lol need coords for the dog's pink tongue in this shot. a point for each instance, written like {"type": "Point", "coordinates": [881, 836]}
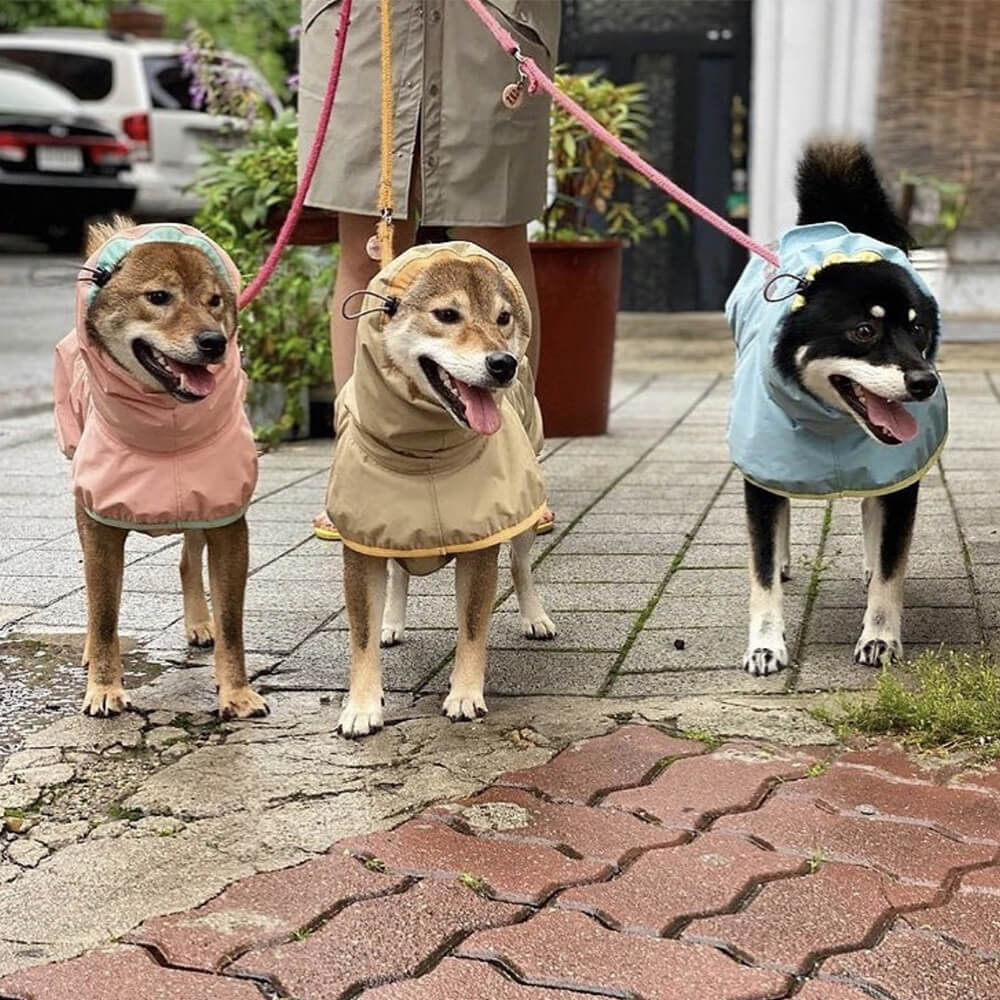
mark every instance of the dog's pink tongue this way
{"type": "Point", "coordinates": [195, 379]}
{"type": "Point", "coordinates": [891, 416]}
{"type": "Point", "coordinates": [480, 408]}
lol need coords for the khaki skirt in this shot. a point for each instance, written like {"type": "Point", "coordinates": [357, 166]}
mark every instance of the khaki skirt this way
{"type": "Point", "coordinates": [472, 161]}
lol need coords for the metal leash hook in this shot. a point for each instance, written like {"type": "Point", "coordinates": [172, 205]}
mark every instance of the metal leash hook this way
{"type": "Point", "coordinates": [512, 96]}
{"type": "Point", "coordinates": [389, 304]}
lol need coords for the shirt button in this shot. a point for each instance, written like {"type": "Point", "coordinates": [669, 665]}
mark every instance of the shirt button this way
{"type": "Point", "coordinates": [433, 90]}
{"type": "Point", "coordinates": [435, 15]}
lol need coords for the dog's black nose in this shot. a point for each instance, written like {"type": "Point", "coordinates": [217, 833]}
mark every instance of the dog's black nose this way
{"type": "Point", "coordinates": [211, 344]}
{"type": "Point", "coordinates": [921, 384]}
{"type": "Point", "coordinates": [501, 366]}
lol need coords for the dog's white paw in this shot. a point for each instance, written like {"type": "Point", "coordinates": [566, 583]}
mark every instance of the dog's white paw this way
{"type": "Point", "coordinates": [877, 651]}
{"type": "Point", "coordinates": [760, 661]}
{"type": "Point", "coordinates": [462, 706]}
{"type": "Point", "coordinates": [105, 700]}
{"type": "Point", "coordinates": [392, 635]}
{"type": "Point", "coordinates": [541, 627]}
{"type": "Point", "coordinates": [361, 716]}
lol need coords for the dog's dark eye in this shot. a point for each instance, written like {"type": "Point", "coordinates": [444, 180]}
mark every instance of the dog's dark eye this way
{"type": "Point", "coordinates": [863, 333]}
{"type": "Point", "coordinates": [447, 315]}
{"type": "Point", "coordinates": [215, 301]}
{"type": "Point", "coordinates": [503, 319]}
{"type": "Point", "coordinates": [158, 297]}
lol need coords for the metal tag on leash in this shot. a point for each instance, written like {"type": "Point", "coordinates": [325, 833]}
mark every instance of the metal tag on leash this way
{"type": "Point", "coordinates": [512, 96]}
{"type": "Point", "coordinates": [372, 248]}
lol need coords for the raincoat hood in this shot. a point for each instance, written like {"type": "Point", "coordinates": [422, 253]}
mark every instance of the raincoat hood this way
{"type": "Point", "coordinates": [782, 437]}
{"type": "Point", "coordinates": [141, 459]}
{"type": "Point", "coordinates": [407, 481]}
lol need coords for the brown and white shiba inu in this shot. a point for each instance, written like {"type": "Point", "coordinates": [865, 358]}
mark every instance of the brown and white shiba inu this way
{"type": "Point", "coordinates": [438, 434]}
{"type": "Point", "coordinates": [149, 405]}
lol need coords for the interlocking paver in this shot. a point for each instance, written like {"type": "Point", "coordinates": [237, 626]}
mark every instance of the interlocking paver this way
{"type": "Point", "coordinates": [376, 941]}
{"type": "Point", "coordinates": [574, 952]}
{"type": "Point", "coordinates": [454, 979]}
{"type": "Point", "coordinates": [969, 814]}
{"type": "Point", "coordinates": [689, 791]}
{"type": "Point", "coordinates": [914, 965]}
{"type": "Point", "coordinates": [261, 910]}
{"type": "Point", "coordinates": [601, 834]}
{"type": "Point", "coordinates": [971, 916]}
{"type": "Point", "coordinates": [711, 873]}
{"type": "Point", "coordinates": [120, 973]}
{"type": "Point", "coordinates": [583, 772]}
{"type": "Point", "coordinates": [915, 854]}
{"type": "Point", "coordinates": [791, 922]}
{"type": "Point", "coordinates": [816, 990]}
{"type": "Point", "coordinates": [513, 871]}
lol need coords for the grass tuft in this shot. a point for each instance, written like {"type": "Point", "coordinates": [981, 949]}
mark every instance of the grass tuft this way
{"type": "Point", "coordinates": [944, 701]}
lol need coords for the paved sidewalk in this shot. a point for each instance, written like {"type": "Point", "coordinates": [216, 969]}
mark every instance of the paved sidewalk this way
{"type": "Point", "coordinates": [157, 812]}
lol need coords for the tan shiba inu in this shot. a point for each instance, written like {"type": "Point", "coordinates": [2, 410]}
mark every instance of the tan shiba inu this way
{"type": "Point", "coordinates": [438, 434]}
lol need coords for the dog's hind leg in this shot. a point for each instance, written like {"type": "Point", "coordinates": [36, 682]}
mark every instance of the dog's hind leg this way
{"type": "Point", "coordinates": [394, 617]}
{"type": "Point", "coordinates": [197, 619]}
{"type": "Point", "coordinates": [476, 589]}
{"type": "Point", "coordinates": [784, 535]}
{"type": "Point", "coordinates": [228, 563]}
{"type": "Point", "coordinates": [767, 519]}
{"type": "Point", "coordinates": [364, 592]}
{"type": "Point", "coordinates": [535, 623]}
{"type": "Point", "coordinates": [103, 566]}
{"type": "Point", "coordinates": [888, 529]}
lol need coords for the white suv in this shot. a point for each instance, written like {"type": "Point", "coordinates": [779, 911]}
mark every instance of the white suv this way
{"type": "Point", "coordinates": [138, 86]}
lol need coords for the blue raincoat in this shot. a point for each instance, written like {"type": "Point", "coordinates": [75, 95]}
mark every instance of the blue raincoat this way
{"type": "Point", "coordinates": [782, 437]}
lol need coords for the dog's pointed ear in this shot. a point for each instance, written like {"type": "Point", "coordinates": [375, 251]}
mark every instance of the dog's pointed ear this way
{"type": "Point", "coordinates": [100, 232]}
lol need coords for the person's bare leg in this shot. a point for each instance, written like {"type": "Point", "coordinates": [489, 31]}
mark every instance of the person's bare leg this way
{"type": "Point", "coordinates": [510, 244]}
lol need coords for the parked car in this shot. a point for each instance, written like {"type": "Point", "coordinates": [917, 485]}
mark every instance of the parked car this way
{"type": "Point", "coordinates": [139, 86]}
{"type": "Point", "coordinates": [59, 166]}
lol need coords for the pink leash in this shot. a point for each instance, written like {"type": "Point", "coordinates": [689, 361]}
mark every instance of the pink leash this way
{"type": "Point", "coordinates": [291, 220]}
{"type": "Point", "coordinates": [528, 70]}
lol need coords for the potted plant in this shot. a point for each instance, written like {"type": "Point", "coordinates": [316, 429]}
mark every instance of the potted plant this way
{"type": "Point", "coordinates": [932, 210]}
{"type": "Point", "coordinates": [284, 332]}
{"type": "Point", "coordinates": [578, 253]}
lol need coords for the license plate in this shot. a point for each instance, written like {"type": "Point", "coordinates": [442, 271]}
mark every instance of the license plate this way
{"type": "Point", "coordinates": [59, 159]}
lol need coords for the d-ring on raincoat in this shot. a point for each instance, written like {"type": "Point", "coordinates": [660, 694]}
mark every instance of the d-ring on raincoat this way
{"type": "Point", "coordinates": [407, 481]}
{"type": "Point", "coordinates": [782, 437]}
{"type": "Point", "coordinates": [143, 460]}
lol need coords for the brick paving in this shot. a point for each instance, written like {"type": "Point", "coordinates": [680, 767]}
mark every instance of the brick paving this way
{"type": "Point", "coordinates": [811, 885]}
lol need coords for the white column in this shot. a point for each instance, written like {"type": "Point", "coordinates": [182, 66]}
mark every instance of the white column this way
{"type": "Point", "coordinates": [815, 72]}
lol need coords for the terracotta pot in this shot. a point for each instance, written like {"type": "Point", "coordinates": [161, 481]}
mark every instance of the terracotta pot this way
{"type": "Point", "coordinates": [316, 226]}
{"type": "Point", "coordinates": [136, 19]}
{"type": "Point", "coordinates": [578, 286]}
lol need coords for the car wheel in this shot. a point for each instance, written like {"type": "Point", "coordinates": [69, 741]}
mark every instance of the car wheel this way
{"type": "Point", "coordinates": [65, 237]}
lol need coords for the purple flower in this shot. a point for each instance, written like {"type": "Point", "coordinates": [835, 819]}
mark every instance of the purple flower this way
{"type": "Point", "coordinates": [292, 82]}
{"type": "Point", "coordinates": [294, 31]}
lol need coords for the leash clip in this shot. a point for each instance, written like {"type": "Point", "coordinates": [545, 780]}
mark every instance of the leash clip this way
{"type": "Point", "coordinates": [800, 284]}
{"type": "Point", "coordinates": [390, 304]}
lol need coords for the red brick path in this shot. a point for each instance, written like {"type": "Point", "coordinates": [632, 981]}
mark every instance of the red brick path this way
{"type": "Point", "coordinates": [632, 865]}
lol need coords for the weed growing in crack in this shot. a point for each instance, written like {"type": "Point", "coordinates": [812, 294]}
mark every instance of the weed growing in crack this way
{"type": "Point", "coordinates": [711, 740]}
{"type": "Point", "coordinates": [376, 865]}
{"type": "Point", "coordinates": [818, 769]}
{"type": "Point", "coordinates": [816, 860]}
{"type": "Point", "coordinates": [117, 811]}
{"type": "Point", "coordinates": [473, 882]}
{"type": "Point", "coordinates": [944, 700]}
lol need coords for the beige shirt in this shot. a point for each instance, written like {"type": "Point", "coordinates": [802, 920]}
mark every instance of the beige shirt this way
{"type": "Point", "coordinates": [479, 163]}
{"type": "Point", "coordinates": [407, 481]}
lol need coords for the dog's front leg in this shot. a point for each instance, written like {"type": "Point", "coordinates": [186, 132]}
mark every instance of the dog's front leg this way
{"type": "Point", "coordinates": [476, 589]}
{"type": "Point", "coordinates": [394, 617]}
{"type": "Point", "coordinates": [535, 623]}
{"type": "Point", "coordinates": [228, 563]}
{"type": "Point", "coordinates": [364, 592]}
{"type": "Point", "coordinates": [103, 566]}
{"type": "Point", "coordinates": [767, 517]}
{"type": "Point", "coordinates": [888, 528]}
{"type": "Point", "coordinates": [197, 619]}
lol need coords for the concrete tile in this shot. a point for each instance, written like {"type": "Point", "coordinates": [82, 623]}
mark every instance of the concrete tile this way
{"type": "Point", "coordinates": [594, 630]}
{"type": "Point", "coordinates": [603, 569]}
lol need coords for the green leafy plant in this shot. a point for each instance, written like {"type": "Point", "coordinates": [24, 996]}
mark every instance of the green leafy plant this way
{"type": "Point", "coordinates": [284, 332]}
{"type": "Point", "coordinates": [936, 207]}
{"type": "Point", "coordinates": [588, 174]}
{"type": "Point", "coordinates": [946, 701]}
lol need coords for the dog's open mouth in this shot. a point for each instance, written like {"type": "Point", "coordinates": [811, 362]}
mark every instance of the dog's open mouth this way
{"type": "Point", "coordinates": [472, 406]}
{"type": "Point", "coordinates": [186, 382]}
{"type": "Point", "coordinates": [888, 420]}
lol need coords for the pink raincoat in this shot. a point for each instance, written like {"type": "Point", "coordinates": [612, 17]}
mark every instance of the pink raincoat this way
{"type": "Point", "coordinates": [141, 459]}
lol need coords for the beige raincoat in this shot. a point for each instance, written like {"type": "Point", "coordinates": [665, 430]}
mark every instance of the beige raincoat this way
{"type": "Point", "coordinates": [407, 481]}
{"type": "Point", "coordinates": [479, 163]}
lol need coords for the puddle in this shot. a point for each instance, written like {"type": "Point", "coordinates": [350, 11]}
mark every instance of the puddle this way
{"type": "Point", "coordinates": [41, 679]}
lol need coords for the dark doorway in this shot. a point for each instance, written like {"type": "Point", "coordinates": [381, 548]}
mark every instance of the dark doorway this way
{"type": "Point", "coordinates": [694, 57]}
